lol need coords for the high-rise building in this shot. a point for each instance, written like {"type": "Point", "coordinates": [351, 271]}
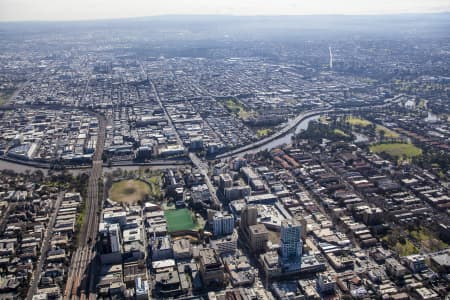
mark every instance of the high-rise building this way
{"type": "Point", "coordinates": [225, 181]}
{"type": "Point", "coordinates": [249, 216]}
{"type": "Point", "coordinates": [211, 267]}
{"type": "Point", "coordinates": [291, 244]}
{"type": "Point", "coordinates": [258, 237]}
{"type": "Point", "coordinates": [326, 284]}
{"type": "Point", "coordinates": [222, 224]}
{"type": "Point", "coordinates": [304, 225]}
{"type": "Point", "coordinates": [111, 243]}
{"type": "Point", "coordinates": [236, 192]}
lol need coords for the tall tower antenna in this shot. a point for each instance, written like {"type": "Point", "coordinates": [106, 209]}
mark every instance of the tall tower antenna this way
{"type": "Point", "coordinates": [331, 57]}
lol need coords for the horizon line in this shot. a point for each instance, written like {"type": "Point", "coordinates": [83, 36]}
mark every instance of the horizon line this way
{"type": "Point", "coordinates": [224, 15]}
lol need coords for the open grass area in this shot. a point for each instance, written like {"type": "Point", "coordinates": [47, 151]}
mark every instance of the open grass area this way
{"type": "Point", "coordinates": [153, 182]}
{"type": "Point", "coordinates": [324, 119]}
{"type": "Point", "coordinates": [406, 249]}
{"type": "Point", "coordinates": [79, 221]}
{"type": "Point", "coordinates": [4, 97]}
{"type": "Point", "coordinates": [233, 106]}
{"type": "Point", "coordinates": [355, 121]}
{"type": "Point", "coordinates": [263, 132]}
{"type": "Point", "coordinates": [129, 191]}
{"type": "Point", "coordinates": [397, 241]}
{"type": "Point", "coordinates": [340, 132]}
{"type": "Point", "coordinates": [422, 104]}
{"type": "Point", "coordinates": [179, 219]}
{"type": "Point", "coordinates": [81, 216]}
{"type": "Point", "coordinates": [387, 132]}
{"type": "Point", "coordinates": [428, 239]}
{"type": "Point", "coordinates": [236, 108]}
{"type": "Point", "coordinates": [397, 150]}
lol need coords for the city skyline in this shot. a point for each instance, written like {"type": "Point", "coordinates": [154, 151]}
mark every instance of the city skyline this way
{"type": "Point", "coordinates": [225, 150]}
{"type": "Point", "coordinates": [49, 10]}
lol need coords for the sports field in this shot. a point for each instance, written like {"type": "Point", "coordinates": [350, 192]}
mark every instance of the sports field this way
{"type": "Point", "coordinates": [129, 191]}
{"type": "Point", "coordinates": [179, 219]}
{"type": "Point", "coordinates": [397, 150]}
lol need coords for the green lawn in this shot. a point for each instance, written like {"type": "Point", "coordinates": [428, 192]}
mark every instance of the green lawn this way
{"type": "Point", "coordinates": [129, 191]}
{"type": "Point", "coordinates": [422, 103]}
{"type": "Point", "coordinates": [79, 221]}
{"type": "Point", "coordinates": [324, 119]}
{"type": "Point", "coordinates": [387, 132]}
{"type": "Point", "coordinates": [263, 132]}
{"type": "Point", "coordinates": [179, 219]}
{"type": "Point", "coordinates": [340, 132]}
{"type": "Point", "coordinates": [397, 150]}
{"type": "Point", "coordinates": [428, 239]}
{"type": "Point", "coordinates": [4, 97]}
{"type": "Point", "coordinates": [153, 182]}
{"type": "Point", "coordinates": [355, 121]}
{"type": "Point", "coordinates": [233, 105]}
{"type": "Point", "coordinates": [236, 108]}
{"type": "Point", "coordinates": [406, 249]}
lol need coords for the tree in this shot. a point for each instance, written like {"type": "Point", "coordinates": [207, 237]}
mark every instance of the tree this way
{"type": "Point", "coordinates": [382, 135]}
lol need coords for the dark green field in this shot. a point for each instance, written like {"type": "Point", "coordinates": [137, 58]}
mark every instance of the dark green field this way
{"type": "Point", "coordinates": [179, 219]}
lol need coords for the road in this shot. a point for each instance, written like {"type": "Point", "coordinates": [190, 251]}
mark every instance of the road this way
{"type": "Point", "coordinates": [5, 215]}
{"type": "Point", "coordinates": [203, 167]}
{"type": "Point", "coordinates": [80, 281]}
{"type": "Point", "coordinates": [44, 249]}
{"type": "Point", "coordinates": [24, 84]}
{"type": "Point", "coordinates": [169, 119]}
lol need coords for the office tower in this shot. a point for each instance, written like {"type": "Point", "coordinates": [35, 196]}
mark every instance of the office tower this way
{"type": "Point", "coordinates": [222, 224]}
{"type": "Point", "coordinates": [291, 242]}
{"type": "Point", "coordinates": [249, 215]}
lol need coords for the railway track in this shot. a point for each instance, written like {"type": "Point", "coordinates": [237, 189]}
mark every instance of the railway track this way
{"type": "Point", "coordinates": [80, 281]}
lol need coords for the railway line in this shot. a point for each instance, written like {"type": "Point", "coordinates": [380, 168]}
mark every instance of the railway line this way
{"type": "Point", "coordinates": [80, 281]}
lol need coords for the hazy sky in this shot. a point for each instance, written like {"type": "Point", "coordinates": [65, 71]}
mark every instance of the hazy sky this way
{"type": "Point", "coordinates": [14, 10]}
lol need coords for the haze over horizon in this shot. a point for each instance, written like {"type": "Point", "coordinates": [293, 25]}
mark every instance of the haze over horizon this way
{"type": "Point", "coordinates": [63, 10]}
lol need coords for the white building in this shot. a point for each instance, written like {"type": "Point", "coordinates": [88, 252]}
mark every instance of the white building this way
{"type": "Point", "coordinates": [222, 224]}
{"type": "Point", "coordinates": [141, 288]}
{"type": "Point", "coordinates": [111, 243]}
{"type": "Point", "coordinates": [115, 217]}
{"type": "Point", "coordinates": [226, 244]}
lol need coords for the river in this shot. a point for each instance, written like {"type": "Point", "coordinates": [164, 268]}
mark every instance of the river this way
{"type": "Point", "coordinates": [285, 139]}
{"type": "Point", "coordinates": [20, 168]}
